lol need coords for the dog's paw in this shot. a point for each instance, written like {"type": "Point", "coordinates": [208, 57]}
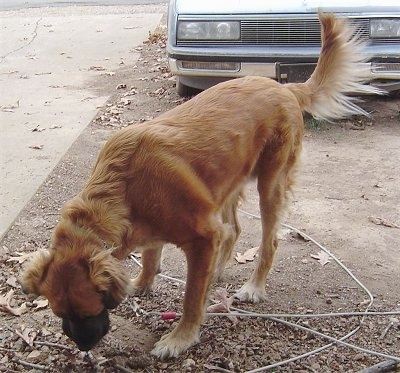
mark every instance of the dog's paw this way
{"type": "Point", "coordinates": [172, 345]}
{"type": "Point", "coordinates": [137, 288]}
{"type": "Point", "coordinates": [251, 293]}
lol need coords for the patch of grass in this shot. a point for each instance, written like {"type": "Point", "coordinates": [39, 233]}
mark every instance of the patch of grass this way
{"type": "Point", "coordinates": [311, 123]}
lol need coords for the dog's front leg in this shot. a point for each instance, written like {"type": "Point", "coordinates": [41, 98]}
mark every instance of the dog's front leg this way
{"type": "Point", "coordinates": [200, 257]}
{"type": "Point", "coordinates": [151, 258]}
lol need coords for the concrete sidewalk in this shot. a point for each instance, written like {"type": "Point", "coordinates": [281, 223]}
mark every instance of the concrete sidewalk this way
{"type": "Point", "coordinates": [47, 56]}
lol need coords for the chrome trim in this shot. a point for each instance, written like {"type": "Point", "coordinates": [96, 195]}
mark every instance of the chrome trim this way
{"type": "Point", "coordinates": [269, 70]}
{"type": "Point", "coordinates": [284, 31]}
{"type": "Point", "coordinates": [264, 69]}
{"type": "Point", "coordinates": [385, 72]}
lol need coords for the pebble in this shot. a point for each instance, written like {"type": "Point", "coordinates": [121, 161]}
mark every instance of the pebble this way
{"type": "Point", "coordinates": [316, 367]}
{"type": "Point", "coordinates": [34, 355]}
{"type": "Point", "coordinates": [188, 364]}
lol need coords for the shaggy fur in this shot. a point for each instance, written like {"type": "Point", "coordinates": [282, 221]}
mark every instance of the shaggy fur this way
{"type": "Point", "coordinates": [178, 179]}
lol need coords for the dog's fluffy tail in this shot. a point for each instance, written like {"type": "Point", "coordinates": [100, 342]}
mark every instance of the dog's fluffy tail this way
{"type": "Point", "coordinates": [339, 72]}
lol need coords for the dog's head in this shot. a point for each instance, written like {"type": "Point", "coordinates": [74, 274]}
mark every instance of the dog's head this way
{"type": "Point", "coordinates": [81, 284]}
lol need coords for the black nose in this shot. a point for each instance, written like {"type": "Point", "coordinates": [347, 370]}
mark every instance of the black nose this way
{"type": "Point", "coordinates": [86, 332]}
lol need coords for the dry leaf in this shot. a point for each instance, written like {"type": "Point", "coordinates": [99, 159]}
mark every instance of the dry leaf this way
{"type": "Point", "coordinates": [21, 257]}
{"type": "Point", "coordinates": [38, 129]}
{"type": "Point", "coordinates": [9, 108]}
{"type": "Point", "coordinates": [97, 68]}
{"type": "Point", "coordinates": [381, 221]}
{"type": "Point", "coordinates": [27, 334]}
{"type": "Point", "coordinates": [45, 333]}
{"type": "Point", "coordinates": [12, 281]}
{"type": "Point", "coordinates": [6, 307]}
{"type": "Point", "coordinates": [247, 256]}
{"type": "Point", "coordinates": [322, 257]}
{"type": "Point", "coordinates": [42, 303]}
{"type": "Point", "coordinates": [125, 101]}
{"type": "Point", "coordinates": [224, 303]}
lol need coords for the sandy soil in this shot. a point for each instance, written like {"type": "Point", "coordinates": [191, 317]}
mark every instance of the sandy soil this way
{"type": "Point", "coordinates": [347, 198]}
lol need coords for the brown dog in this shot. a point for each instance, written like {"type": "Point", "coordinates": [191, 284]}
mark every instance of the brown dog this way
{"type": "Point", "coordinates": [178, 179]}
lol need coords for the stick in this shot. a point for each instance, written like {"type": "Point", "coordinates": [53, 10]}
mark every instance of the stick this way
{"type": "Point", "coordinates": [31, 365]}
{"type": "Point", "coordinates": [383, 367]}
{"type": "Point", "coordinates": [383, 335]}
{"type": "Point", "coordinates": [123, 369]}
{"type": "Point", "coordinates": [93, 361]}
{"type": "Point", "coordinates": [50, 344]}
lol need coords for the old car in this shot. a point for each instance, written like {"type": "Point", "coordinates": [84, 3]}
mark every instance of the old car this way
{"type": "Point", "coordinates": [212, 41]}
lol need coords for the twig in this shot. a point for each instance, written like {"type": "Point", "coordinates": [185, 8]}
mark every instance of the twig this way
{"type": "Point", "coordinates": [8, 349]}
{"type": "Point", "coordinates": [50, 344]}
{"type": "Point", "coordinates": [31, 365]}
{"type": "Point", "coordinates": [218, 369]}
{"type": "Point", "coordinates": [93, 361]}
{"type": "Point", "coordinates": [123, 369]}
{"type": "Point", "coordinates": [383, 335]}
{"type": "Point", "coordinates": [385, 366]}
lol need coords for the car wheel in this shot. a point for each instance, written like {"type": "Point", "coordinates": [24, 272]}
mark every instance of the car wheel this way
{"type": "Point", "coordinates": [184, 90]}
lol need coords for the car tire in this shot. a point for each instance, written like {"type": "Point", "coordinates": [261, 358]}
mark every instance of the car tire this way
{"type": "Point", "coordinates": [184, 90]}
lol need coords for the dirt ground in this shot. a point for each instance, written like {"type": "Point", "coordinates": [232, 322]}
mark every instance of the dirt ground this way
{"type": "Point", "coordinates": [347, 198]}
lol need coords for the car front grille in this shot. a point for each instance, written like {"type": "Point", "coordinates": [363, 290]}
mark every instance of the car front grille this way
{"type": "Point", "coordinates": [285, 32]}
{"type": "Point", "coordinates": [281, 32]}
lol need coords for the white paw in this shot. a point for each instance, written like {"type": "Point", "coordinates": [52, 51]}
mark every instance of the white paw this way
{"type": "Point", "coordinates": [251, 293]}
{"type": "Point", "coordinates": [172, 346]}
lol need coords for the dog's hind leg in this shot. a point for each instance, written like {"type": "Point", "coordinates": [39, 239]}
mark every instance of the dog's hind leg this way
{"type": "Point", "coordinates": [151, 259]}
{"type": "Point", "coordinates": [229, 219]}
{"type": "Point", "coordinates": [275, 177]}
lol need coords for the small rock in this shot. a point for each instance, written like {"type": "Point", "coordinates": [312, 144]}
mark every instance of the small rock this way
{"type": "Point", "coordinates": [359, 357]}
{"type": "Point", "coordinates": [45, 349]}
{"type": "Point", "coordinates": [188, 364]}
{"type": "Point", "coordinates": [33, 355]}
{"type": "Point", "coordinates": [316, 367]}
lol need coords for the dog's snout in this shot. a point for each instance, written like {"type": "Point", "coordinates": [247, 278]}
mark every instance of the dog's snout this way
{"type": "Point", "coordinates": [87, 332]}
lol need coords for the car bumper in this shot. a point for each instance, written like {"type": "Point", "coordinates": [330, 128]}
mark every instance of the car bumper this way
{"type": "Point", "coordinates": [202, 74]}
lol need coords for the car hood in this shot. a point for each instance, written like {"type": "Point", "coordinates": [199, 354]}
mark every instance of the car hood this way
{"type": "Point", "coordinates": [287, 6]}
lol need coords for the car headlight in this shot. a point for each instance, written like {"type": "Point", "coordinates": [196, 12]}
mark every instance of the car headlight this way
{"type": "Point", "coordinates": [385, 28]}
{"type": "Point", "coordinates": [208, 30]}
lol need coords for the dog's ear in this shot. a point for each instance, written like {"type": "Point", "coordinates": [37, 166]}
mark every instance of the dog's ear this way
{"type": "Point", "coordinates": [35, 272]}
{"type": "Point", "coordinates": [110, 277]}
{"type": "Point", "coordinates": [109, 301]}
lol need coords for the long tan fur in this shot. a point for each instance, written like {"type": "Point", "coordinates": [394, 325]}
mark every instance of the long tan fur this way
{"type": "Point", "coordinates": [178, 178]}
